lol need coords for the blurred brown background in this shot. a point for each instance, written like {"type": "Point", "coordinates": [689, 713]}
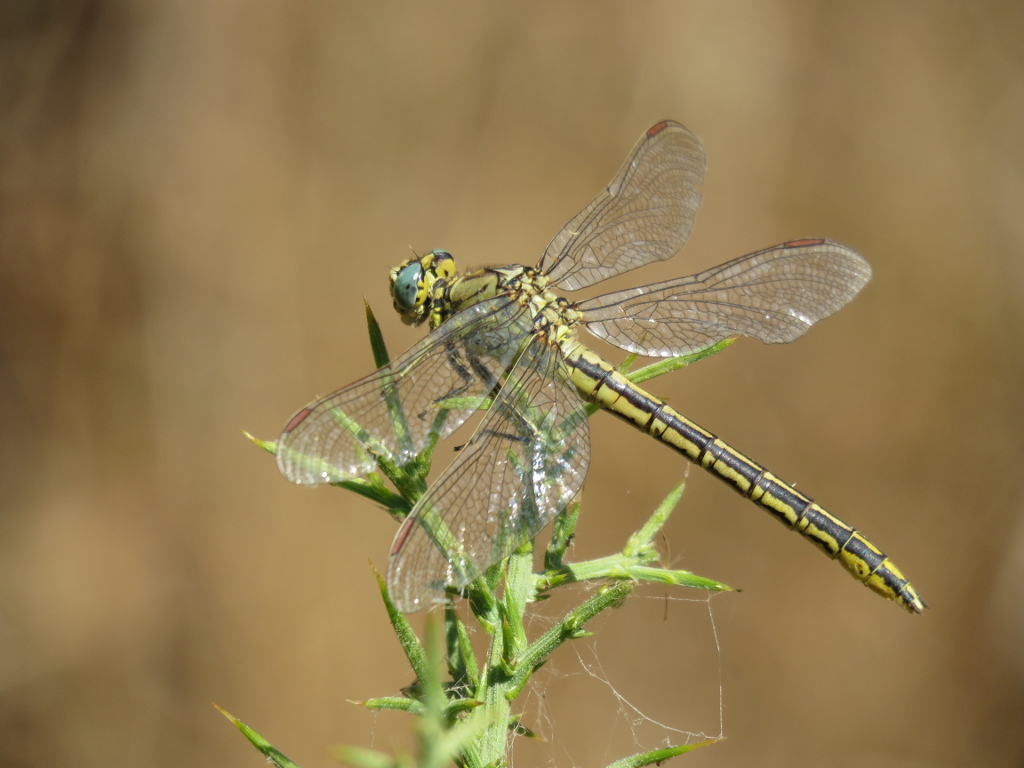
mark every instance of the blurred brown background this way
{"type": "Point", "coordinates": [196, 197]}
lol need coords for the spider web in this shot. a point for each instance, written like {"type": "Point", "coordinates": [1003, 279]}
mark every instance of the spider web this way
{"type": "Point", "coordinates": [597, 709]}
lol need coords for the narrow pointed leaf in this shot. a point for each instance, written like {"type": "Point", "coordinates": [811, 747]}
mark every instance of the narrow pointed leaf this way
{"type": "Point", "coordinates": [670, 364]}
{"type": "Point", "coordinates": [658, 755]}
{"type": "Point", "coordinates": [647, 532]}
{"type": "Point", "coordinates": [380, 349]}
{"type": "Point", "coordinates": [264, 746]}
{"type": "Point", "coordinates": [414, 651]}
{"type": "Point", "coordinates": [396, 703]}
{"type": "Point", "coordinates": [678, 578]}
{"type": "Point", "coordinates": [270, 446]}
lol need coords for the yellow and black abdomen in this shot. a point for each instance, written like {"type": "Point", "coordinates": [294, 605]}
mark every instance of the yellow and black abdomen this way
{"type": "Point", "coordinates": [601, 384]}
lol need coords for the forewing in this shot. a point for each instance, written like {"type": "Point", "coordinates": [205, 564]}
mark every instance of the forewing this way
{"type": "Point", "coordinates": [391, 412]}
{"type": "Point", "coordinates": [645, 214]}
{"type": "Point", "coordinates": [526, 461]}
{"type": "Point", "coordinates": [773, 295]}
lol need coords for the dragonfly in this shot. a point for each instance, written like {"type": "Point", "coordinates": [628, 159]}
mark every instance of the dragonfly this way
{"type": "Point", "coordinates": [504, 342]}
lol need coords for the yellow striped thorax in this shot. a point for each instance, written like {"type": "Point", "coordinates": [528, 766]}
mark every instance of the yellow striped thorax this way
{"type": "Point", "coordinates": [427, 288]}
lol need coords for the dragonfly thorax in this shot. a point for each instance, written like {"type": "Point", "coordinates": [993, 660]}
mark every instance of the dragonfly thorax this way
{"type": "Point", "coordinates": [553, 317]}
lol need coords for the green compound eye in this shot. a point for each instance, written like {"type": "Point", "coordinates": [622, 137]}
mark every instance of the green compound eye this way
{"type": "Point", "coordinates": [407, 286]}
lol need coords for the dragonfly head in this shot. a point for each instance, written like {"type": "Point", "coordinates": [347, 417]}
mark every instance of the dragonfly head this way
{"type": "Point", "coordinates": [413, 284]}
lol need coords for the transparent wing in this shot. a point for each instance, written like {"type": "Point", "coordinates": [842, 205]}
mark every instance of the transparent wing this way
{"type": "Point", "coordinates": [527, 460]}
{"type": "Point", "coordinates": [645, 214]}
{"type": "Point", "coordinates": [391, 412]}
{"type": "Point", "coordinates": [773, 295]}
